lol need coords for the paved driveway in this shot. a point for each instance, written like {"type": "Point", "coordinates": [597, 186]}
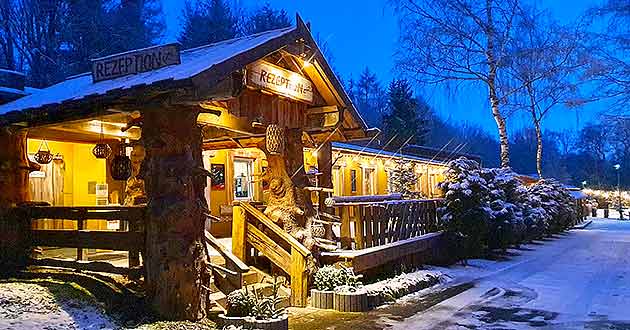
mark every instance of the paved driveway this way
{"type": "Point", "coordinates": [578, 280]}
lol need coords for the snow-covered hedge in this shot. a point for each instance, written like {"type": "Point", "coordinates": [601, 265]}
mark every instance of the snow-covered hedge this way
{"type": "Point", "coordinates": [491, 208]}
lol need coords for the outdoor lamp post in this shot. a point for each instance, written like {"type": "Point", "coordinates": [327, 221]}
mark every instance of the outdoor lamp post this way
{"type": "Point", "coordinates": [617, 167]}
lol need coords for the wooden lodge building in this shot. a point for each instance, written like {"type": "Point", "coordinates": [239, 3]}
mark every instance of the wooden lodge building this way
{"type": "Point", "coordinates": [138, 154]}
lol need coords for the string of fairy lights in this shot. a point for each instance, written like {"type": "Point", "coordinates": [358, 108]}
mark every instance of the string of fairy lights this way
{"type": "Point", "coordinates": [608, 194]}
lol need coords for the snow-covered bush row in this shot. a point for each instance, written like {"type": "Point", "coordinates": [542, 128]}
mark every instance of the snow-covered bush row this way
{"type": "Point", "coordinates": [491, 208]}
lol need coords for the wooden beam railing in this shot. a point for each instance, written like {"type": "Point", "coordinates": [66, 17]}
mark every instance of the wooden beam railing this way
{"type": "Point", "coordinates": [366, 223]}
{"type": "Point", "coordinates": [131, 240]}
{"type": "Point", "coordinates": [229, 277]}
{"type": "Point", "coordinates": [251, 228]}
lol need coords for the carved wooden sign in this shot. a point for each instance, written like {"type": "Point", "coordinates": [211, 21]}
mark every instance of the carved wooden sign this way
{"type": "Point", "coordinates": [134, 62]}
{"type": "Point", "coordinates": [266, 76]}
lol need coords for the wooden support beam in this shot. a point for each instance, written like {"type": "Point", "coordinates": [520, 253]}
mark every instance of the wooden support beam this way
{"type": "Point", "coordinates": [92, 266]}
{"type": "Point", "coordinates": [299, 279]}
{"type": "Point", "coordinates": [107, 240]}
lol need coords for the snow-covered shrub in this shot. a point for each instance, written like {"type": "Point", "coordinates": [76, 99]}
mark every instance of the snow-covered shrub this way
{"type": "Point", "coordinates": [330, 278]}
{"type": "Point", "coordinates": [558, 204]}
{"type": "Point", "coordinates": [491, 208]}
{"type": "Point", "coordinates": [506, 203]}
{"type": "Point", "coordinates": [466, 212]}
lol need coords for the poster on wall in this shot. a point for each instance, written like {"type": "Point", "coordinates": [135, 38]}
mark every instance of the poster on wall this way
{"type": "Point", "coordinates": [217, 176]}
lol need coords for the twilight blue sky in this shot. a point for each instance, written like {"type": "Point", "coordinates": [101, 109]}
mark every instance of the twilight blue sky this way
{"type": "Point", "coordinates": [364, 32]}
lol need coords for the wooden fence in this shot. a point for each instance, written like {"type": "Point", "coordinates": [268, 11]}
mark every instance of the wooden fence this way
{"type": "Point", "coordinates": [251, 228]}
{"type": "Point", "coordinates": [367, 224]}
{"type": "Point", "coordinates": [131, 240]}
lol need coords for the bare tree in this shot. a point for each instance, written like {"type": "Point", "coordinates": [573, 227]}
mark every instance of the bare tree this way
{"type": "Point", "coordinates": [36, 34]}
{"type": "Point", "coordinates": [545, 62]}
{"type": "Point", "coordinates": [459, 42]}
{"type": "Point", "coordinates": [610, 50]}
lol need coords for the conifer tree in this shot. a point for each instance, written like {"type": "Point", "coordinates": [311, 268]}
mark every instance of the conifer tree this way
{"type": "Point", "coordinates": [403, 178]}
{"type": "Point", "coordinates": [206, 22]}
{"type": "Point", "coordinates": [404, 122]}
{"type": "Point", "coordinates": [266, 18]}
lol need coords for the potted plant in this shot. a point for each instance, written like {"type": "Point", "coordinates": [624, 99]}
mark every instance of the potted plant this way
{"type": "Point", "coordinates": [325, 280]}
{"type": "Point", "coordinates": [266, 314]}
{"type": "Point", "coordinates": [240, 305]}
{"type": "Point", "coordinates": [350, 297]}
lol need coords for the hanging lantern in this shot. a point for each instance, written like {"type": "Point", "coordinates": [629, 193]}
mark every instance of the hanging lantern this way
{"type": "Point", "coordinates": [43, 156]}
{"type": "Point", "coordinates": [102, 150]}
{"type": "Point", "coordinates": [274, 139]}
{"type": "Point", "coordinates": [121, 165]}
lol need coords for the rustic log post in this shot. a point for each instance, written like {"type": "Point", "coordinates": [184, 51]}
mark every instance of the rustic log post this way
{"type": "Point", "coordinates": [14, 189]}
{"type": "Point", "coordinates": [324, 165]}
{"type": "Point", "coordinates": [239, 233]}
{"type": "Point", "coordinates": [175, 261]}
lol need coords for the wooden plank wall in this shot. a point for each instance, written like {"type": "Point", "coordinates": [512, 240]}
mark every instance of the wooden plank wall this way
{"type": "Point", "coordinates": [254, 105]}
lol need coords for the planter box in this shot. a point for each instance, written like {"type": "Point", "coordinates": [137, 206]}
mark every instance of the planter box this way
{"type": "Point", "coordinates": [275, 324]}
{"type": "Point", "coordinates": [237, 321]}
{"type": "Point", "coordinates": [322, 299]}
{"type": "Point", "coordinates": [350, 301]}
{"type": "Point", "coordinates": [375, 300]}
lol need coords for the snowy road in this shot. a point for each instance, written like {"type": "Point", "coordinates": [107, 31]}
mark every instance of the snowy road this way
{"type": "Point", "coordinates": [580, 280]}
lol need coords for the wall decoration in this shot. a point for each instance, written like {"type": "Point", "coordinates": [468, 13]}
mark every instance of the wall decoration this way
{"type": "Point", "coordinates": [217, 176]}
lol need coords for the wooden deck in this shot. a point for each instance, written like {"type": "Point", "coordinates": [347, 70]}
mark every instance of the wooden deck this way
{"type": "Point", "coordinates": [374, 257]}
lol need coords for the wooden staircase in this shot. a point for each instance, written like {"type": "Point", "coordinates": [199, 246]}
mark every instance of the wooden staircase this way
{"type": "Point", "coordinates": [253, 230]}
{"type": "Point", "coordinates": [229, 273]}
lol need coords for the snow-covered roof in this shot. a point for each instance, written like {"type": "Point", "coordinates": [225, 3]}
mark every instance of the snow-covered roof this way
{"type": "Point", "coordinates": [381, 152]}
{"type": "Point", "coordinates": [193, 62]}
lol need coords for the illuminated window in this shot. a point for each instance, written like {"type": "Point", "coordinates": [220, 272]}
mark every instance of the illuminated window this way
{"type": "Point", "coordinates": [243, 187]}
{"type": "Point", "coordinates": [369, 181]}
{"type": "Point", "coordinates": [353, 180]}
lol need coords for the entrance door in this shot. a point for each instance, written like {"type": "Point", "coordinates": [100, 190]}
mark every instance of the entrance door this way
{"type": "Point", "coordinates": [243, 187]}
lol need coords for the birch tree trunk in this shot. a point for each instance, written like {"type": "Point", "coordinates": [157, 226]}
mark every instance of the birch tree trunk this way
{"type": "Point", "coordinates": [175, 261]}
{"type": "Point", "coordinates": [492, 88]}
{"type": "Point", "coordinates": [539, 147]}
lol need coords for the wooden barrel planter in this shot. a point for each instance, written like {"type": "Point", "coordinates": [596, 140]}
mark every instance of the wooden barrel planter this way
{"type": "Point", "coordinates": [237, 321]}
{"type": "Point", "coordinates": [350, 301]}
{"type": "Point", "coordinates": [273, 324]}
{"type": "Point", "coordinates": [375, 300]}
{"type": "Point", "coordinates": [322, 299]}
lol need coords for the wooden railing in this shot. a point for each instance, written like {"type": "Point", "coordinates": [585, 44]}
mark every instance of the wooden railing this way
{"type": "Point", "coordinates": [366, 224]}
{"type": "Point", "coordinates": [131, 240]}
{"type": "Point", "coordinates": [251, 228]}
{"type": "Point", "coordinates": [229, 277]}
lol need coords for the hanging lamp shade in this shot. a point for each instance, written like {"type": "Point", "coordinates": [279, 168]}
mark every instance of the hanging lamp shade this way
{"type": "Point", "coordinates": [121, 165]}
{"type": "Point", "coordinates": [43, 154]}
{"type": "Point", "coordinates": [102, 150]}
{"type": "Point", "coordinates": [274, 139]}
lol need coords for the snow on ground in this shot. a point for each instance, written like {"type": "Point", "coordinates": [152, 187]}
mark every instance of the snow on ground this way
{"type": "Point", "coordinates": [578, 280]}
{"type": "Point", "coordinates": [49, 306]}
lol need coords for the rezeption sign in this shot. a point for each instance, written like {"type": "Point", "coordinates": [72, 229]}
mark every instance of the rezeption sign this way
{"type": "Point", "coordinates": [272, 78]}
{"type": "Point", "coordinates": [134, 62]}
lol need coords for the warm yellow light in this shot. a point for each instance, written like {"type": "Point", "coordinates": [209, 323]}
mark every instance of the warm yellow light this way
{"type": "Point", "coordinates": [307, 63]}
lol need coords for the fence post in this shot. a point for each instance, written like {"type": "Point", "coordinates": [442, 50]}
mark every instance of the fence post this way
{"type": "Point", "coordinates": [359, 239]}
{"type": "Point", "coordinates": [239, 233]}
{"type": "Point", "coordinates": [134, 255]}
{"type": "Point", "coordinates": [299, 279]}
{"type": "Point", "coordinates": [346, 239]}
